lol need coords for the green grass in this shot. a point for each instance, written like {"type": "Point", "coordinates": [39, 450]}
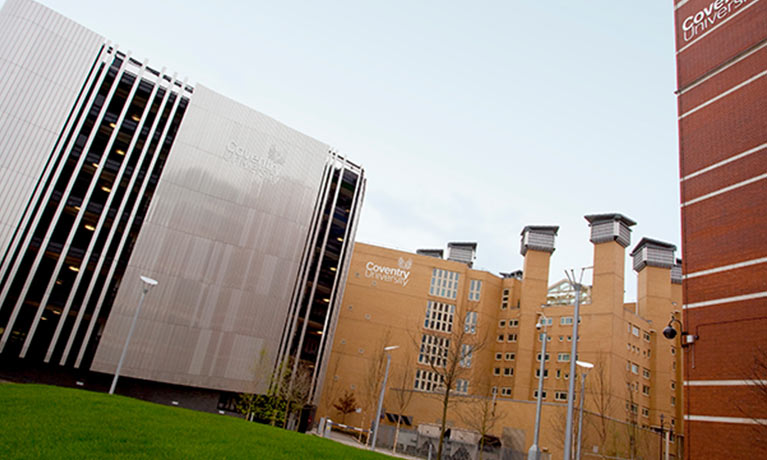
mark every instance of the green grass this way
{"type": "Point", "coordinates": [39, 421]}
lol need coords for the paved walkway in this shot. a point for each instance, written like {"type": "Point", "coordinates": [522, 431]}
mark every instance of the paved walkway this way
{"type": "Point", "coordinates": [350, 440]}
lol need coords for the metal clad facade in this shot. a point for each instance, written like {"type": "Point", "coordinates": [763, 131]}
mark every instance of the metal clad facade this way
{"type": "Point", "coordinates": [224, 237]}
{"type": "Point", "coordinates": [44, 63]}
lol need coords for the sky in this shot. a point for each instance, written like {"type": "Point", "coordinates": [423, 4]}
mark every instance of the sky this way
{"type": "Point", "coordinates": [471, 119]}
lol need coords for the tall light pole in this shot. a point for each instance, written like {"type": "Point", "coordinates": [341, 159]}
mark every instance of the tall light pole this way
{"type": "Point", "coordinates": [147, 284]}
{"type": "Point", "coordinates": [380, 398]}
{"type": "Point", "coordinates": [586, 368]}
{"type": "Point", "coordinates": [534, 453]}
{"type": "Point", "coordinates": [573, 354]}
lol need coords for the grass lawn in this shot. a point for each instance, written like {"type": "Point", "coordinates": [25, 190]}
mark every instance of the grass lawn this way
{"type": "Point", "coordinates": [39, 421]}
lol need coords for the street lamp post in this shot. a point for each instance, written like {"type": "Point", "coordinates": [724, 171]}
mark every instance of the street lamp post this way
{"type": "Point", "coordinates": [586, 368]}
{"type": "Point", "coordinates": [535, 451]}
{"type": "Point", "coordinates": [381, 396]}
{"type": "Point", "coordinates": [147, 284]}
{"type": "Point", "coordinates": [573, 354]}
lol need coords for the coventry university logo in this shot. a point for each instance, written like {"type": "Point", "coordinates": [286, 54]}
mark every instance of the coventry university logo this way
{"type": "Point", "coordinates": [400, 275]}
{"type": "Point", "coordinates": [267, 167]}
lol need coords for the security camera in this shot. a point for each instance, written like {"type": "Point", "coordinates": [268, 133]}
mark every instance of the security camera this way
{"type": "Point", "coordinates": [669, 332]}
{"type": "Point", "coordinates": [538, 325]}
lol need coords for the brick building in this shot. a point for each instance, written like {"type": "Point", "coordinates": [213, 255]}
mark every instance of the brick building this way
{"type": "Point", "coordinates": [721, 52]}
{"type": "Point", "coordinates": [419, 301]}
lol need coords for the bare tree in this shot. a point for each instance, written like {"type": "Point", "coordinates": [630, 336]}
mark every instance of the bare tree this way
{"type": "Point", "coordinates": [374, 376]}
{"type": "Point", "coordinates": [403, 394]}
{"type": "Point", "coordinates": [296, 392]}
{"type": "Point", "coordinates": [262, 371]}
{"type": "Point", "coordinates": [600, 393]}
{"type": "Point", "coordinates": [479, 412]}
{"type": "Point", "coordinates": [632, 429]}
{"type": "Point", "coordinates": [448, 355]}
{"type": "Point", "coordinates": [757, 401]}
{"type": "Point", "coordinates": [346, 405]}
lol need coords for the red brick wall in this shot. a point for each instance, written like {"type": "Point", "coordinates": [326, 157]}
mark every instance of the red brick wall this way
{"type": "Point", "coordinates": [726, 229]}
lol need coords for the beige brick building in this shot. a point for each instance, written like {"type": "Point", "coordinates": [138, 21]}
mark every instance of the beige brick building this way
{"type": "Point", "coordinates": [420, 301]}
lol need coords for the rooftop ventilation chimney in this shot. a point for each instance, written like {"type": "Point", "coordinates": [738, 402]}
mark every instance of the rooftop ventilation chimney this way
{"type": "Point", "coordinates": [430, 252]}
{"type": "Point", "coordinates": [462, 252]}
{"type": "Point", "coordinates": [653, 253]}
{"type": "Point", "coordinates": [610, 227]}
{"type": "Point", "coordinates": [538, 238]}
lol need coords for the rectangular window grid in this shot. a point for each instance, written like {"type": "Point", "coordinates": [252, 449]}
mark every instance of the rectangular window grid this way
{"type": "Point", "coordinates": [439, 316]}
{"type": "Point", "coordinates": [433, 350]}
{"type": "Point", "coordinates": [444, 283]}
{"type": "Point", "coordinates": [475, 286]}
{"type": "Point", "coordinates": [465, 356]}
{"type": "Point", "coordinates": [470, 323]}
{"type": "Point", "coordinates": [427, 380]}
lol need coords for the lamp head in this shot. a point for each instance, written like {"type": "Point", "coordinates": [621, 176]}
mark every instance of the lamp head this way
{"type": "Point", "coordinates": [390, 348]}
{"type": "Point", "coordinates": [584, 364]}
{"type": "Point", "coordinates": [149, 282]}
{"type": "Point", "coordinates": [669, 332]}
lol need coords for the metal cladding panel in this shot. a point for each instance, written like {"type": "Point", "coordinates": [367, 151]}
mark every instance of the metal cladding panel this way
{"type": "Point", "coordinates": [44, 61]}
{"type": "Point", "coordinates": [537, 241]}
{"type": "Point", "coordinates": [224, 237]}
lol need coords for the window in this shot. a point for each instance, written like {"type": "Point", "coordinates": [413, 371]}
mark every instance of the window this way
{"type": "Point", "coordinates": [565, 320]}
{"type": "Point", "coordinates": [538, 357]}
{"type": "Point", "coordinates": [673, 400]}
{"type": "Point", "coordinates": [475, 286]}
{"type": "Point", "coordinates": [461, 386]}
{"type": "Point", "coordinates": [673, 385]}
{"type": "Point", "coordinates": [569, 338]}
{"type": "Point", "coordinates": [634, 368]}
{"type": "Point", "coordinates": [508, 371]}
{"type": "Point", "coordinates": [646, 390]}
{"type": "Point", "coordinates": [427, 380]}
{"type": "Point", "coordinates": [505, 300]}
{"type": "Point", "coordinates": [561, 338]}
{"type": "Point", "coordinates": [543, 394]}
{"type": "Point", "coordinates": [547, 321]}
{"type": "Point", "coordinates": [433, 350]}
{"type": "Point", "coordinates": [545, 373]}
{"type": "Point", "coordinates": [645, 412]}
{"type": "Point", "coordinates": [673, 350]}
{"type": "Point", "coordinates": [559, 373]}
{"type": "Point", "coordinates": [470, 323]}
{"type": "Point", "coordinates": [439, 316]}
{"type": "Point", "coordinates": [498, 356]}
{"type": "Point", "coordinates": [513, 322]}
{"type": "Point", "coordinates": [567, 375]}
{"type": "Point", "coordinates": [560, 396]}
{"type": "Point", "coordinates": [506, 391]}
{"type": "Point", "coordinates": [540, 337]}
{"type": "Point", "coordinates": [646, 336]}
{"type": "Point", "coordinates": [500, 337]}
{"type": "Point", "coordinates": [502, 323]}
{"type": "Point", "coordinates": [444, 283]}
{"type": "Point", "coordinates": [509, 356]}
{"type": "Point", "coordinates": [511, 338]}
{"type": "Point", "coordinates": [634, 408]}
{"type": "Point", "coordinates": [465, 356]}
{"type": "Point", "coordinates": [635, 331]}
{"type": "Point", "coordinates": [645, 373]}
{"type": "Point", "coordinates": [563, 357]}
{"type": "Point", "coordinates": [496, 371]}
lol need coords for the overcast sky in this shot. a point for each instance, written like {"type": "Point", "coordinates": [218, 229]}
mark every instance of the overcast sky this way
{"type": "Point", "coordinates": [471, 119]}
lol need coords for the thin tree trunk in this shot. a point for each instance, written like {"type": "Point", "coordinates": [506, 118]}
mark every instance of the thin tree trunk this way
{"type": "Point", "coordinates": [396, 435]}
{"type": "Point", "coordinates": [444, 422]}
